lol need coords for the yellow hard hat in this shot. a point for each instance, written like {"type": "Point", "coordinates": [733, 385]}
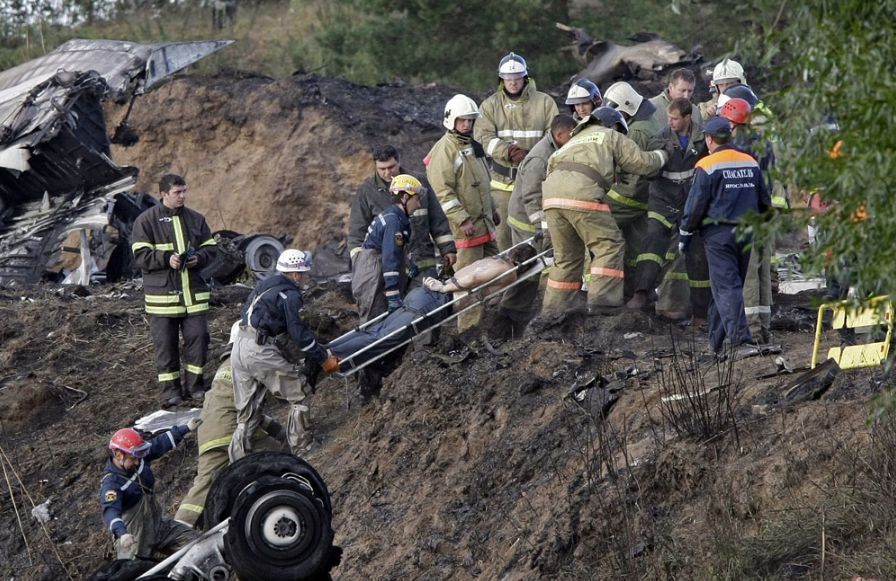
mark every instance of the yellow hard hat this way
{"type": "Point", "coordinates": [404, 183]}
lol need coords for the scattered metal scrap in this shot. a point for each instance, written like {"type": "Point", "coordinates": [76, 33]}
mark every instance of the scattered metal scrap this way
{"type": "Point", "coordinates": [56, 174]}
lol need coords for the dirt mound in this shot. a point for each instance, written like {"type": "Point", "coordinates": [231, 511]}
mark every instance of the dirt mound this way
{"type": "Point", "coordinates": [283, 157]}
{"type": "Point", "coordinates": [472, 463]}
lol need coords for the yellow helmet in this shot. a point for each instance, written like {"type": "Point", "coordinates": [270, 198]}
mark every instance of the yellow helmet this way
{"type": "Point", "coordinates": [405, 184]}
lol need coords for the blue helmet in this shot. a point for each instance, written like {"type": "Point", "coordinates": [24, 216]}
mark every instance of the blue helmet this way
{"type": "Point", "coordinates": [609, 117]}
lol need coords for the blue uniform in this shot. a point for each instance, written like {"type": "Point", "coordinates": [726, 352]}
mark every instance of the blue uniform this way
{"type": "Point", "coordinates": [121, 490]}
{"type": "Point", "coordinates": [728, 184]}
{"type": "Point", "coordinates": [388, 234]}
{"type": "Point", "coordinates": [276, 311]}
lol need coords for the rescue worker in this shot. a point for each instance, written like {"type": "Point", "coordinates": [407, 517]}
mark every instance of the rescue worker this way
{"type": "Point", "coordinates": [171, 243]}
{"type": "Point", "coordinates": [429, 226]}
{"type": "Point", "coordinates": [682, 83]}
{"type": "Point", "coordinates": [583, 98]}
{"type": "Point", "coordinates": [727, 73]}
{"type": "Point", "coordinates": [758, 298]}
{"type": "Point", "coordinates": [457, 171]}
{"type": "Point", "coordinates": [526, 217]}
{"type": "Point", "coordinates": [512, 121]}
{"type": "Point", "coordinates": [378, 271]}
{"type": "Point", "coordinates": [579, 219]}
{"type": "Point", "coordinates": [127, 498]}
{"type": "Point", "coordinates": [611, 119]}
{"type": "Point", "coordinates": [214, 435]}
{"type": "Point", "coordinates": [627, 197]}
{"type": "Point", "coordinates": [728, 185]}
{"type": "Point", "coordinates": [270, 309]}
{"type": "Point", "coordinates": [686, 281]}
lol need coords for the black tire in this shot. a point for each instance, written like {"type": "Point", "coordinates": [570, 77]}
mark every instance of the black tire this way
{"type": "Point", "coordinates": [234, 478]}
{"type": "Point", "coordinates": [278, 532]}
{"type": "Point", "coordinates": [261, 253]}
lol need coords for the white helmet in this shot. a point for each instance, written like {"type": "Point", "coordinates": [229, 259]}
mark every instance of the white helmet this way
{"type": "Point", "coordinates": [459, 107]}
{"type": "Point", "coordinates": [292, 260]}
{"type": "Point", "coordinates": [234, 330]}
{"type": "Point", "coordinates": [728, 70]}
{"type": "Point", "coordinates": [583, 91]}
{"type": "Point", "coordinates": [623, 97]}
{"type": "Point", "coordinates": [512, 66]}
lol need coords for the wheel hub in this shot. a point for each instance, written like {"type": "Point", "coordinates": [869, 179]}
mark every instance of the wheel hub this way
{"type": "Point", "coordinates": [281, 526]}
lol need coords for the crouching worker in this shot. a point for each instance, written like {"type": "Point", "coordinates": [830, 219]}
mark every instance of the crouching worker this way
{"type": "Point", "coordinates": [130, 509]}
{"type": "Point", "coordinates": [258, 366]}
{"type": "Point", "coordinates": [214, 435]}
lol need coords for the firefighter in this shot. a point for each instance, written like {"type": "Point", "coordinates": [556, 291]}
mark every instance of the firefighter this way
{"type": "Point", "coordinates": [728, 185]}
{"type": "Point", "coordinates": [682, 83]}
{"type": "Point", "coordinates": [579, 219]}
{"type": "Point", "coordinates": [512, 121]}
{"type": "Point", "coordinates": [526, 217]}
{"type": "Point", "coordinates": [583, 98]}
{"type": "Point", "coordinates": [458, 173]}
{"type": "Point", "coordinates": [378, 271]}
{"type": "Point", "coordinates": [270, 309]}
{"type": "Point", "coordinates": [685, 281]}
{"type": "Point", "coordinates": [127, 498]}
{"type": "Point", "coordinates": [727, 73]}
{"type": "Point", "coordinates": [171, 243]}
{"type": "Point", "coordinates": [429, 226]}
{"type": "Point", "coordinates": [214, 435]}
{"type": "Point", "coordinates": [627, 197]}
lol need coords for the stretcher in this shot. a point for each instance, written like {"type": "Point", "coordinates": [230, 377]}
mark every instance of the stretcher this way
{"type": "Point", "coordinates": [420, 325]}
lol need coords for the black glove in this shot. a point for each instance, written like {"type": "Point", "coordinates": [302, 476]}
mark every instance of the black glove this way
{"type": "Point", "coordinates": [312, 373]}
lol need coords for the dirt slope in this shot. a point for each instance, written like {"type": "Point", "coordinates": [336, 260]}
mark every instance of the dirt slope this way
{"type": "Point", "coordinates": [471, 464]}
{"type": "Point", "coordinates": [283, 157]}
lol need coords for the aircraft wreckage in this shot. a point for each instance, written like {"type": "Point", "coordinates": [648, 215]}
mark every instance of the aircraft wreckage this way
{"type": "Point", "coordinates": [63, 201]}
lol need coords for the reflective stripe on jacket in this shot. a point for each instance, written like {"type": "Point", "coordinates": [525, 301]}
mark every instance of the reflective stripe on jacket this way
{"type": "Point", "coordinates": [388, 234]}
{"type": "Point", "coordinates": [523, 121]}
{"type": "Point", "coordinates": [158, 233]}
{"type": "Point", "coordinates": [460, 179]}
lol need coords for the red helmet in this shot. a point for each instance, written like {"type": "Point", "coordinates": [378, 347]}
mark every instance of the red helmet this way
{"type": "Point", "coordinates": [737, 110]}
{"type": "Point", "coordinates": [129, 441]}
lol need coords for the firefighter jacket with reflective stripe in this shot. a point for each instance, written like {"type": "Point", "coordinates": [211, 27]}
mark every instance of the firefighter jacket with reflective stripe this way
{"type": "Point", "coordinates": [277, 311]}
{"type": "Point", "coordinates": [678, 173]}
{"type": "Point", "coordinates": [727, 185]}
{"type": "Point", "coordinates": [661, 102]}
{"type": "Point", "coordinates": [502, 121]}
{"type": "Point", "coordinates": [389, 234]}
{"type": "Point", "coordinates": [457, 172]}
{"type": "Point", "coordinates": [601, 150]}
{"type": "Point", "coordinates": [633, 187]}
{"type": "Point", "coordinates": [524, 210]}
{"type": "Point", "coordinates": [158, 233]}
{"type": "Point", "coordinates": [121, 490]}
{"type": "Point", "coordinates": [429, 226]}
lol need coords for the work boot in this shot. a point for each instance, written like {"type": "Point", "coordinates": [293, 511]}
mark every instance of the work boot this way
{"type": "Point", "coordinates": [172, 400]}
{"type": "Point", "coordinates": [673, 315]}
{"type": "Point", "coordinates": [198, 395]}
{"type": "Point", "coordinates": [640, 300]}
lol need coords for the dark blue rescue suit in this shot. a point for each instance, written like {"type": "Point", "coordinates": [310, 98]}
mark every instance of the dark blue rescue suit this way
{"type": "Point", "coordinates": [728, 184]}
{"type": "Point", "coordinates": [258, 366]}
{"type": "Point", "coordinates": [129, 505]}
{"type": "Point", "coordinates": [378, 270]}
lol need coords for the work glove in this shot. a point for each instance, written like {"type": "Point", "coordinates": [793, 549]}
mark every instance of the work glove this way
{"type": "Point", "coordinates": [127, 546]}
{"type": "Point", "coordinates": [193, 424]}
{"type": "Point", "coordinates": [496, 218]}
{"type": "Point", "coordinates": [684, 241]}
{"type": "Point", "coordinates": [312, 373]}
{"type": "Point", "coordinates": [330, 364]}
{"type": "Point", "coordinates": [394, 303]}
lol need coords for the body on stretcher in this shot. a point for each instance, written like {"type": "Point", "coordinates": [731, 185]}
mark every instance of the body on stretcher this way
{"type": "Point", "coordinates": [408, 323]}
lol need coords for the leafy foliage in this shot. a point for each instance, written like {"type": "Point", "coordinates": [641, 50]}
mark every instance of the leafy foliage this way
{"type": "Point", "coordinates": [834, 62]}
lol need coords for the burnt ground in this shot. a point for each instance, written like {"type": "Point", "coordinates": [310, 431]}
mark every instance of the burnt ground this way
{"type": "Point", "coordinates": [472, 463]}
